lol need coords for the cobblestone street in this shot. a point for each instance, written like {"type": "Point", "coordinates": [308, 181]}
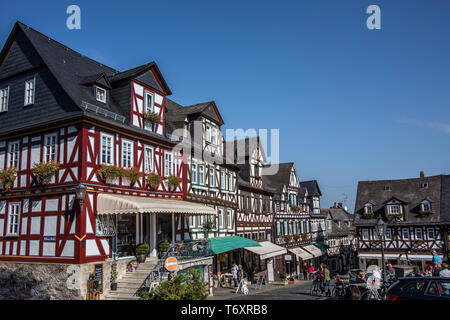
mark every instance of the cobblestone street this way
{"type": "Point", "coordinates": [299, 291]}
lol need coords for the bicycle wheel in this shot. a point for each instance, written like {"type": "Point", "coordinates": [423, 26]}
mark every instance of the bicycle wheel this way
{"type": "Point", "coordinates": [369, 295]}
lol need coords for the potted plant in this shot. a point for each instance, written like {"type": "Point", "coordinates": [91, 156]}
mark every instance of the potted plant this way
{"type": "Point", "coordinates": [45, 171]}
{"type": "Point", "coordinates": [153, 180]}
{"type": "Point", "coordinates": [114, 276]}
{"type": "Point", "coordinates": [367, 215]}
{"type": "Point", "coordinates": [295, 208]}
{"type": "Point", "coordinates": [7, 177]}
{"type": "Point", "coordinates": [163, 246]}
{"type": "Point", "coordinates": [132, 174]}
{"type": "Point", "coordinates": [425, 213]}
{"type": "Point", "coordinates": [287, 238]}
{"type": "Point", "coordinates": [296, 237]}
{"type": "Point", "coordinates": [110, 172]}
{"type": "Point", "coordinates": [152, 117]}
{"type": "Point", "coordinates": [283, 277]}
{"type": "Point", "coordinates": [304, 236]}
{"type": "Point", "coordinates": [142, 251]}
{"type": "Point", "coordinates": [173, 182]}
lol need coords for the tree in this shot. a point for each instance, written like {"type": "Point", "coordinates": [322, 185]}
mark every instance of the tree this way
{"type": "Point", "coordinates": [208, 226]}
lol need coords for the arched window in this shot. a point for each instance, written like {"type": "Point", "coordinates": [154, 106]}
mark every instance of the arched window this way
{"type": "Point", "coordinates": [426, 205]}
{"type": "Point", "coordinates": [368, 208]}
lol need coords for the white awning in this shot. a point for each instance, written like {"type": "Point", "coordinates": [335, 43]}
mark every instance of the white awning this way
{"type": "Point", "coordinates": [108, 203]}
{"type": "Point", "coordinates": [316, 252]}
{"type": "Point", "coordinates": [267, 250]}
{"type": "Point", "coordinates": [395, 256]}
{"type": "Point", "coordinates": [299, 252]}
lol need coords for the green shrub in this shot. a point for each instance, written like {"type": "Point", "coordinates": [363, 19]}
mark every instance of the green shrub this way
{"type": "Point", "coordinates": [163, 246]}
{"type": "Point", "coordinates": [283, 276]}
{"type": "Point", "coordinates": [189, 286]}
{"type": "Point", "coordinates": [173, 181]}
{"type": "Point", "coordinates": [142, 249]}
{"type": "Point", "coordinates": [152, 117]}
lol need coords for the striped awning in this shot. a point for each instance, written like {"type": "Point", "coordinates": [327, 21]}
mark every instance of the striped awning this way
{"type": "Point", "coordinates": [267, 250]}
{"type": "Point", "coordinates": [299, 252]}
{"type": "Point", "coordinates": [109, 203]}
{"type": "Point", "coordinates": [316, 252]}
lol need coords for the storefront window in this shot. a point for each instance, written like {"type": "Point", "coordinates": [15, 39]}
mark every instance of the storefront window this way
{"type": "Point", "coordinates": [126, 235]}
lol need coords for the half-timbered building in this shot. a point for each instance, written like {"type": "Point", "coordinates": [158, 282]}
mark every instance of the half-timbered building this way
{"type": "Point", "coordinates": [91, 121]}
{"type": "Point", "coordinates": [292, 228]}
{"type": "Point", "coordinates": [210, 179]}
{"type": "Point", "coordinates": [417, 213]}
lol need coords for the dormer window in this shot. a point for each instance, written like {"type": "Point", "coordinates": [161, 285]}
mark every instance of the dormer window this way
{"type": "Point", "coordinates": [211, 134]}
{"type": "Point", "coordinates": [29, 91]}
{"type": "Point", "coordinates": [425, 205]}
{"type": "Point", "coordinates": [387, 188]}
{"type": "Point", "coordinates": [100, 94]}
{"type": "Point", "coordinates": [149, 102]}
{"type": "Point", "coordinates": [368, 208]}
{"type": "Point", "coordinates": [424, 185]}
{"type": "Point", "coordinates": [4, 96]}
{"type": "Point", "coordinates": [394, 209]}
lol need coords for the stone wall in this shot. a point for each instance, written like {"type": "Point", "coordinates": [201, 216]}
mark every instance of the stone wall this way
{"type": "Point", "coordinates": [48, 281]}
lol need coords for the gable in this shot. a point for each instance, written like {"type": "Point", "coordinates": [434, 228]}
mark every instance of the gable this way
{"type": "Point", "coordinates": [210, 113]}
{"type": "Point", "coordinates": [18, 55]}
{"type": "Point", "coordinates": [148, 78]}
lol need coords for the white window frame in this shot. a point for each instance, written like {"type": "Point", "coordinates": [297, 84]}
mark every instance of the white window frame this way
{"type": "Point", "coordinates": [229, 219]}
{"type": "Point", "coordinates": [223, 180]}
{"type": "Point", "coordinates": [405, 231]}
{"type": "Point", "coordinates": [395, 209]}
{"type": "Point", "coordinates": [388, 235]}
{"type": "Point", "coordinates": [127, 154]}
{"type": "Point", "coordinates": [4, 99]}
{"type": "Point", "coordinates": [50, 149]}
{"type": "Point", "coordinates": [13, 155]}
{"type": "Point", "coordinates": [365, 234]}
{"type": "Point", "coordinates": [426, 203]}
{"type": "Point", "coordinates": [431, 230]}
{"type": "Point", "coordinates": [148, 163]}
{"type": "Point", "coordinates": [98, 97]}
{"type": "Point", "coordinates": [201, 174]}
{"type": "Point", "coordinates": [192, 221]}
{"type": "Point", "coordinates": [148, 125]}
{"type": "Point", "coordinates": [368, 208]}
{"type": "Point", "coordinates": [221, 218]}
{"type": "Point", "coordinates": [29, 98]}
{"type": "Point", "coordinates": [200, 221]}
{"type": "Point", "coordinates": [230, 181]}
{"type": "Point", "coordinates": [212, 174]}
{"type": "Point", "coordinates": [194, 173]}
{"type": "Point", "coordinates": [208, 133]}
{"type": "Point", "coordinates": [111, 151]}
{"type": "Point", "coordinates": [416, 232]}
{"type": "Point", "coordinates": [13, 219]}
{"type": "Point", "coordinates": [214, 137]}
{"type": "Point", "coordinates": [168, 163]}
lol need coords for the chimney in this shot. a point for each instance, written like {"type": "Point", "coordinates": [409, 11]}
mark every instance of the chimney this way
{"type": "Point", "coordinates": [422, 174]}
{"type": "Point", "coordinates": [339, 205]}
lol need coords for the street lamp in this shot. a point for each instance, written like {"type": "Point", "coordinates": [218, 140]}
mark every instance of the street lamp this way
{"type": "Point", "coordinates": [80, 193]}
{"type": "Point", "coordinates": [380, 228]}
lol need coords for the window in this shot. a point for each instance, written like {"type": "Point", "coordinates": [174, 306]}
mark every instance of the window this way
{"type": "Point", "coordinates": [387, 188]}
{"type": "Point", "coordinates": [107, 149]}
{"type": "Point", "coordinates": [256, 205]}
{"type": "Point", "coordinates": [229, 219]}
{"type": "Point", "coordinates": [395, 209]}
{"type": "Point", "coordinates": [426, 205]}
{"type": "Point", "coordinates": [230, 182]}
{"type": "Point", "coordinates": [248, 203]}
{"type": "Point", "coordinates": [214, 136]}
{"type": "Point", "coordinates": [13, 219]}
{"type": "Point", "coordinates": [223, 183]}
{"type": "Point", "coordinates": [430, 233]}
{"type": "Point", "coordinates": [221, 218]}
{"type": "Point", "coordinates": [200, 221]}
{"type": "Point", "coordinates": [208, 133]}
{"type": "Point", "coordinates": [256, 170]}
{"type": "Point", "coordinates": [368, 208]}
{"type": "Point", "coordinates": [4, 97]}
{"type": "Point", "coordinates": [365, 234]}
{"type": "Point", "coordinates": [405, 233]}
{"type": "Point", "coordinates": [13, 154]}
{"type": "Point", "coordinates": [418, 234]}
{"type": "Point", "coordinates": [191, 221]}
{"type": "Point", "coordinates": [388, 235]}
{"type": "Point", "coordinates": [149, 107]}
{"type": "Point", "coordinates": [424, 185]}
{"type": "Point", "coordinates": [50, 148]}
{"type": "Point", "coordinates": [211, 177]}
{"type": "Point", "coordinates": [127, 154]}
{"type": "Point", "coordinates": [201, 174]}
{"type": "Point", "coordinates": [168, 164]}
{"type": "Point", "coordinates": [29, 92]}
{"type": "Point", "coordinates": [194, 173]}
{"type": "Point", "coordinates": [148, 159]}
{"type": "Point", "coordinates": [100, 94]}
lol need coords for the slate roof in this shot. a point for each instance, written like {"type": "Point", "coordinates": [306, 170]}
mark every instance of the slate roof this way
{"type": "Point", "coordinates": [313, 188]}
{"type": "Point", "coordinates": [280, 179]}
{"type": "Point", "coordinates": [339, 215]}
{"type": "Point", "coordinates": [178, 113]}
{"type": "Point", "coordinates": [410, 192]}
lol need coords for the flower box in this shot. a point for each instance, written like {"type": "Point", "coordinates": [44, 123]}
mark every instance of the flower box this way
{"type": "Point", "coordinates": [367, 215]}
{"type": "Point", "coordinates": [153, 180]}
{"type": "Point", "coordinates": [295, 208]}
{"type": "Point", "coordinates": [425, 213]}
{"type": "Point", "coordinates": [7, 177]}
{"type": "Point", "coordinates": [132, 174]}
{"type": "Point", "coordinates": [110, 172]}
{"type": "Point", "coordinates": [173, 182]}
{"type": "Point", "coordinates": [45, 171]}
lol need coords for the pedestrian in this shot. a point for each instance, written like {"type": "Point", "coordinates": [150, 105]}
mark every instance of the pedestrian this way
{"type": "Point", "coordinates": [327, 279]}
{"type": "Point", "coordinates": [444, 272]}
{"type": "Point", "coordinates": [321, 278]}
{"type": "Point", "coordinates": [311, 271]}
{"type": "Point", "coordinates": [437, 263]}
{"type": "Point", "coordinates": [305, 271]}
{"type": "Point", "coordinates": [234, 274]}
{"type": "Point", "coordinates": [390, 272]}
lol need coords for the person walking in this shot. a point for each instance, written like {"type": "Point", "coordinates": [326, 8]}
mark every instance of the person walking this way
{"type": "Point", "coordinates": [437, 263]}
{"type": "Point", "coordinates": [311, 271]}
{"type": "Point", "coordinates": [305, 271]}
{"type": "Point", "coordinates": [234, 274]}
{"type": "Point", "coordinates": [321, 278]}
{"type": "Point", "coordinates": [327, 279]}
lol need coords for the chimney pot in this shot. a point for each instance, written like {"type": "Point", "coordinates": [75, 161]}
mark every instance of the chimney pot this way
{"type": "Point", "coordinates": [422, 174]}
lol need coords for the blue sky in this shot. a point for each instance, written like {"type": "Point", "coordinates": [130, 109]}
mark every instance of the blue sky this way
{"type": "Point", "coordinates": [351, 103]}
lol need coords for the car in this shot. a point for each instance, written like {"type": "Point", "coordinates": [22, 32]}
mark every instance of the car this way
{"type": "Point", "coordinates": [420, 288]}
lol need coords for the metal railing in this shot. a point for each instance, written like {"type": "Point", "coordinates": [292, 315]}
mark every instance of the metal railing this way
{"type": "Point", "coordinates": [102, 111]}
{"type": "Point", "coordinates": [182, 251]}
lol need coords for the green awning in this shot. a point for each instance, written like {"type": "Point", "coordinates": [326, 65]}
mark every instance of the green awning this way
{"type": "Point", "coordinates": [219, 245]}
{"type": "Point", "coordinates": [321, 244]}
